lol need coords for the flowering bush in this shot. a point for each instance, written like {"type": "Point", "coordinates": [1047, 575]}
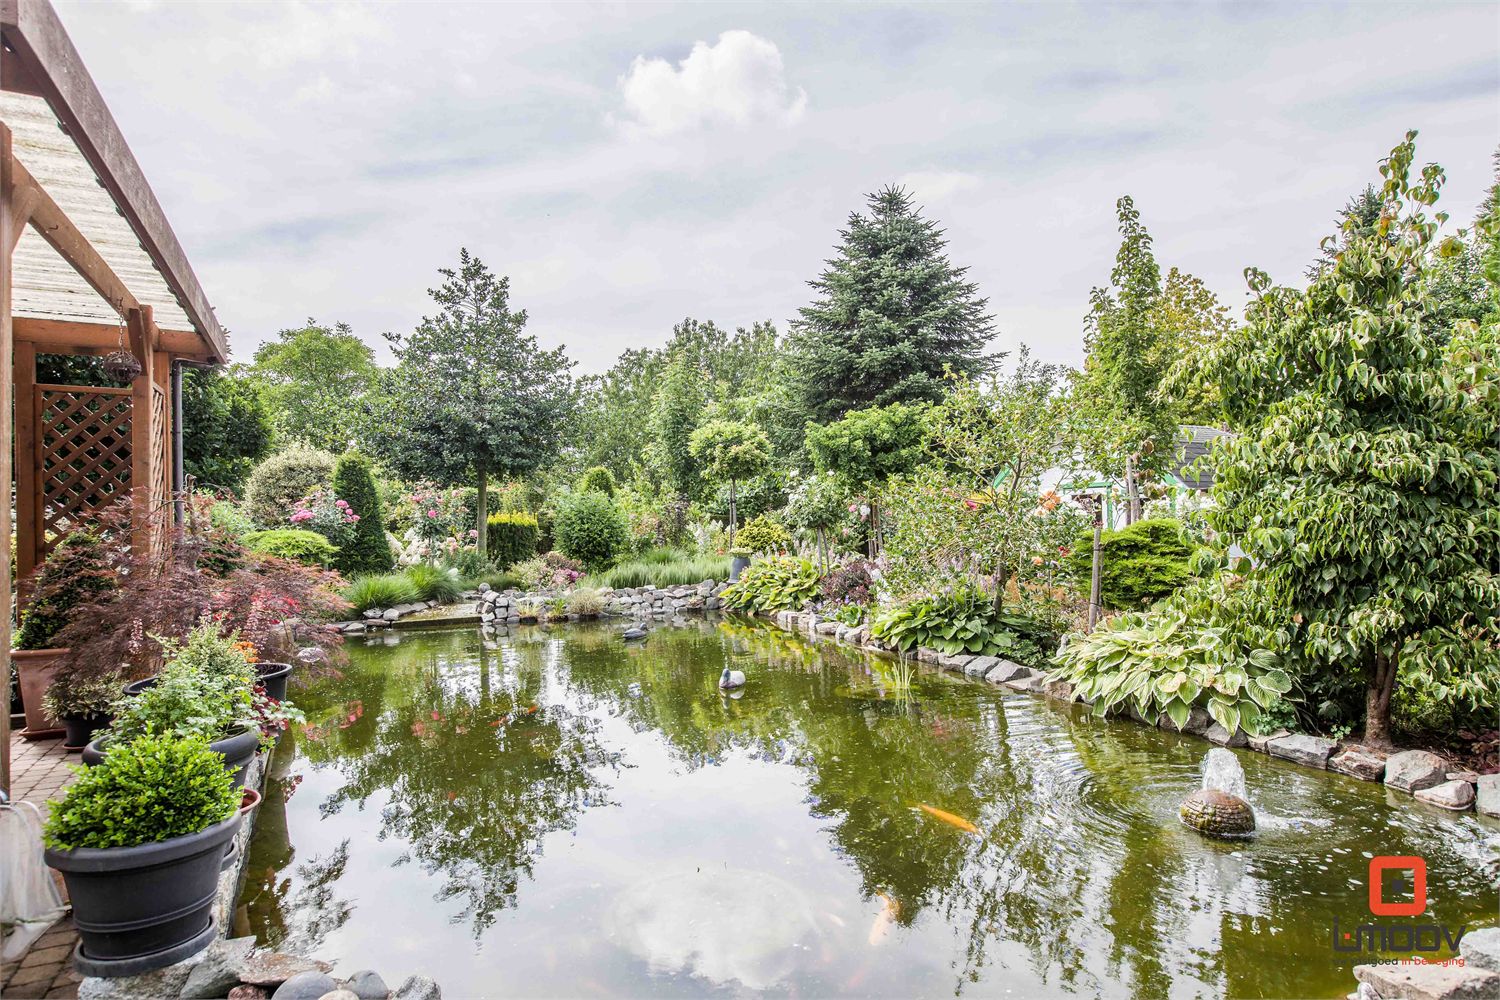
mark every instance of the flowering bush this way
{"type": "Point", "coordinates": [554, 571]}
{"type": "Point", "coordinates": [850, 584]}
{"type": "Point", "coordinates": [326, 514]}
{"type": "Point", "coordinates": [437, 514]}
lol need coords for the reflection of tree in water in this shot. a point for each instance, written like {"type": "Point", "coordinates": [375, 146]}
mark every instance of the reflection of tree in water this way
{"type": "Point", "coordinates": [476, 774]}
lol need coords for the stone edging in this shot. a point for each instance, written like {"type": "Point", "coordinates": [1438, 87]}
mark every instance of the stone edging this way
{"type": "Point", "coordinates": [1428, 777]}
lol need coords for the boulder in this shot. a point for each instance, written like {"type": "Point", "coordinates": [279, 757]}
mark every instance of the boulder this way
{"type": "Point", "coordinates": [219, 968]}
{"type": "Point", "coordinates": [1217, 814]}
{"type": "Point", "coordinates": [1359, 761]}
{"type": "Point", "coordinates": [1061, 690]}
{"type": "Point", "coordinates": [309, 985]}
{"type": "Point", "coordinates": [1456, 796]}
{"type": "Point", "coordinates": [828, 628]}
{"type": "Point", "coordinates": [1259, 743]}
{"type": "Point", "coordinates": [980, 665]}
{"type": "Point", "coordinates": [950, 661]}
{"type": "Point", "coordinates": [1429, 982]}
{"type": "Point", "coordinates": [338, 994]}
{"type": "Point", "coordinates": [925, 655]}
{"type": "Point", "coordinates": [1005, 670]}
{"type": "Point", "coordinates": [1487, 797]}
{"type": "Point", "coordinates": [158, 985]}
{"type": "Point", "coordinates": [366, 984]}
{"type": "Point", "coordinates": [1411, 770]}
{"type": "Point", "coordinates": [1312, 751]}
{"type": "Point", "coordinates": [1026, 682]}
{"type": "Point", "coordinates": [1224, 738]}
{"type": "Point", "coordinates": [272, 968]}
{"type": "Point", "coordinates": [391, 614]}
{"type": "Point", "coordinates": [418, 988]}
{"type": "Point", "coordinates": [244, 992]}
{"type": "Point", "coordinates": [1481, 949]}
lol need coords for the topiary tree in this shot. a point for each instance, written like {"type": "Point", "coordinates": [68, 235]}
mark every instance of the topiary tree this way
{"type": "Point", "coordinates": [598, 479]}
{"type": "Point", "coordinates": [368, 551]}
{"type": "Point", "coordinates": [513, 538]}
{"type": "Point", "coordinates": [283, 479]}
{"type": "Point", "coordinates": [1140, 563]}
{"type": "Point", "coordinates": [591, 528]}
{"type": "Point", "coordinates": [868, 447]}
{"type": "Point", "coordinates": [76, 572]}
{"type": "Point", "coordinates": [731, 450]}
{"type": "Point", "coordinates": [1362, 482]}
{"type": "Point", "coordinates": [306, 547]}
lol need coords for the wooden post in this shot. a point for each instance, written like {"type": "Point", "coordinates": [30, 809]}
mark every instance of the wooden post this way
{"type": "Point", "coordinates": [7, 226]}
{"type": "Point", "coordinates": [1096, 578]}
{"type": "Point", "coordinates": [28, 481]}
{"type": "Point", "coordinates": [142, 439]}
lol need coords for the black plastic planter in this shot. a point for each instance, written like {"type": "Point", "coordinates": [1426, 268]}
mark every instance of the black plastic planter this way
{"type": "Point", "coordinates": [145, 907]}
{"type": "Point", "coordinates": [136, 687]}
{"type": "Point", "coordinates": [274, 677]}
{"type": "Point", "coordinates": [80, 729]}
{"type": "Point", "coordinates": [238, 750]}
{"type": "Point", "coordinates": [738, 565]}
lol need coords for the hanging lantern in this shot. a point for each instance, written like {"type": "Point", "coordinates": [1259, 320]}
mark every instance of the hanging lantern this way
{"type": "Point", "coordinates": [121, 365]}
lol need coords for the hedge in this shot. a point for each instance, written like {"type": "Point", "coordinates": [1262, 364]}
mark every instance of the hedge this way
{"type": "Point", "coordinates": [512, 538]}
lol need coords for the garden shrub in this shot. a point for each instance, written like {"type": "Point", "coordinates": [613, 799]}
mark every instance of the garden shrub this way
{"type": "Point", "coordinates": [597, 480]}
{"type": "Point", "coordinates": [849, 584]}
{"type": "Point", "coordinates": [512, 538]}
{"type": "Point", "coordinates": [1213, 644]}
{"type": "Point", "coordinates": [1140, 564]}
{"type": "Point", "coordinates": [585, 602]}
{"type": "Point", "coordinates": [500, 580]}
{"type": "Point", "coordinates": [433, 583]}
{"type": "Point", "coordinates": [150, 789]}
{"type": "Point", "coordinates": [663, 568]}
{"type": "Point", "coordinates": [77, 695]}
{"type": "Point", "coordinates": [367, 551]}
{"type": "Point", "coordinates": [381, 590]}
{"type": "Point", "coordinates": [963, 620]}
{"type": "Point", "coordinates": [761, 534]}
{"type": "Point", "coordinates": [591, 529]}
{"type": "Point", "coordinates": [187, 701]}
{"type": "Point", "coordinates": [306, 547]}
{"type": "Point", "coordinates": [778, 583]}
{"type": "Point", "coordinates": [285, 478]}
{"type": "Point", "coordinates": [227, 516]}
{"type": "Point", "coordinates": [76, 572]}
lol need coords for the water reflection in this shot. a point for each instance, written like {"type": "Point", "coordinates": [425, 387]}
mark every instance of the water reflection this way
{"type": "Point", "coordinates": [598, 817]}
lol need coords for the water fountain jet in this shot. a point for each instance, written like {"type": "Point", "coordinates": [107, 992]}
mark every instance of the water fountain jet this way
{"type": "Point", "coordinates": [1219, 808]}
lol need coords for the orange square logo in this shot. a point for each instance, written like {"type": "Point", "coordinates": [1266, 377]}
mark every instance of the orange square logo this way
{"type": "Point", "coordinates": [1418, 869]}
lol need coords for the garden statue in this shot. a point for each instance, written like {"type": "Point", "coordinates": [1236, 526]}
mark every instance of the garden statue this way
{"type": "Point", "coordinates": [731, 679]}
{"type": "Point", "coordinates": [1219, 808]}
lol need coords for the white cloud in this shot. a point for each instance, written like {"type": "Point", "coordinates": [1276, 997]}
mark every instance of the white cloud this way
{"type": "Point", "coordinates": [737, 81]}
{"type": "Point", "coordinates": [937, 185]}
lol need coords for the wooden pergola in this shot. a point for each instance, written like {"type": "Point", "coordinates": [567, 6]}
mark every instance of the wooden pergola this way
{"type": "Point", "coordinates": [88, 266]}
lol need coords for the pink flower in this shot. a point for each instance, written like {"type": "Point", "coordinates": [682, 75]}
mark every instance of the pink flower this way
{"type": "Point", "coordinates": [473, 532]}
{"type": "Point", "coordinates": [340, 503]}
{"type": "Point", "coordinates": [432, 514]}
{"type": "Point", "coordinates": [302, 515]}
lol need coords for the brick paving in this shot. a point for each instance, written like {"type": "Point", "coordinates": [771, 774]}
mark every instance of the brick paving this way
{"type": "Point", "coordinates": [38, 773]}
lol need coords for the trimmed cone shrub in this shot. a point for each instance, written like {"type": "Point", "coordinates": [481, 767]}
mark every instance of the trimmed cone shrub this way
{"type": "Point", "coordinates": [306, 547]}
{"type": "Point", "coordinates": [598, 480]}
{"type": "Point", "coordinates": [512, 538]}
{"type": "Point", "coordinates": [285, 478]}
{"type": "Point", "coordinates": [1139, 564]}
{"type": "Point", "coordinates": [77, 572]}
{"type": "Point", "coordinates": [151, 789]}
{"type": "Point", "coordinates": [368, 552]}
{"type": "Point", "coordinates": [591, 528]}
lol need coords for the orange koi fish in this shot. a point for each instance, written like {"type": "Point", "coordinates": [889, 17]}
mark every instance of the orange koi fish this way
{"type": "Point", "coordinates": [948, 817]}
{"type": "Point", "coordinates": [890, 912]}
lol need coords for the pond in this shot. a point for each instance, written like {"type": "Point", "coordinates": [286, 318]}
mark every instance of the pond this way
{"type": "Point", "coordinates": [560, 813]}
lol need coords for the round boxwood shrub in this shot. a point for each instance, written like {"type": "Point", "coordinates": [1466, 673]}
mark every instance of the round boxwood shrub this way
{"type": "Point", "coordinates": [761, 534]}
{"type": "Point", "coordinates": [591, 528]}
{"type": "Point", "coordinates": [151, 789]}
{"type": "Point", "coordinates": [512, 538]}
{"type": "Point", "coordinates": [1140, 564]}
{"type": "Point", "coordinates": [368, 552]}
{"type": "Point", "coordinates": [306, 547]}
{"type": "Point", "coordinates": [597, 480]}
{"type": "Point", "coordinates": [285, 478]}
{"type": "Point", "coordinates": [76, 572]}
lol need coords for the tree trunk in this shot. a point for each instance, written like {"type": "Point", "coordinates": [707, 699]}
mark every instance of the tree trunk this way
{"type": "Point", "coordinates": [733, 513]}
{"type": "Point", "coordinates": [1132, 495]}
{"type": "Point", "coordinates": [872, 546]}
{"type": "Point", "coordinates": [483, 516]}
{"type": "Point", "coordinates": [1382, 681]}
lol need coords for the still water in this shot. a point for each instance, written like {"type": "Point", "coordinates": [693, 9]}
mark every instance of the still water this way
{"type": "Point", "coordinates": [558, 813]}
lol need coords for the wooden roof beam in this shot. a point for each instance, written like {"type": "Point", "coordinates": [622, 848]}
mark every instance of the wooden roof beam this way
{"type": "Point", "coordinates": [52, 69]}
{"type": "Point", "coordinates": [56, 336]}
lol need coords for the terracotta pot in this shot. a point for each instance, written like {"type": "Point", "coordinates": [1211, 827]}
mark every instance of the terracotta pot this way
{"type": "Point", "coordinates": [34, 670]}
{"type": "Point", "coordinates": [248, 801]}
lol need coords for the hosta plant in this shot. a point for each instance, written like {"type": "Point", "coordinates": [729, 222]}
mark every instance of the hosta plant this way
{"type": "Point", "coordinates": [779, 583]}
{"type": "Point", "coordinates": [1208, 647]}
{"type": "Point", "coordinates": [962, 621]}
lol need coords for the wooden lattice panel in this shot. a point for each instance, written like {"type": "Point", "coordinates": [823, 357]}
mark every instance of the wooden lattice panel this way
{"type": "Point", "coordinates": [83, 452]}
{"type": "Point", "coordinates": [161, 465]}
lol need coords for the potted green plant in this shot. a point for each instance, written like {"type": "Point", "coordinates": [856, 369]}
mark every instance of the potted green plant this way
{"type": "Point", "coordinates": [77, 572]}
{"type": "Point", "coordinates": [139, 841]}
{"type": "Point", "coordinates": [84, 703]}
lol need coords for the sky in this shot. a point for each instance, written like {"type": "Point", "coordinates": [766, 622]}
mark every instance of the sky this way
{"type": "Point", "coordinates": [628, 165]}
